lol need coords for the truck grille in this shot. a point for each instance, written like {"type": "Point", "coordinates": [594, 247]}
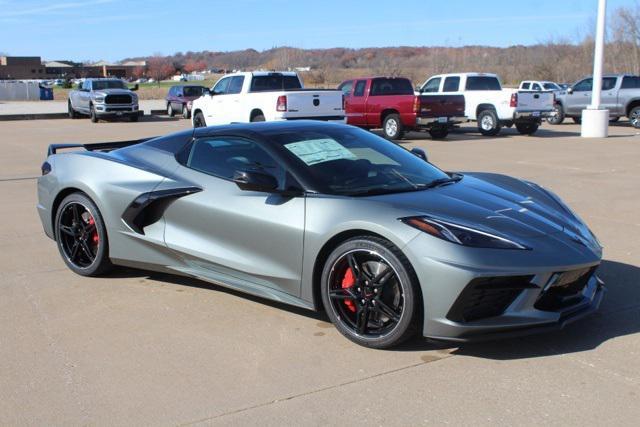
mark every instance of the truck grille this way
{"type": "Point", "coordinates": [487, 297]}
{"type": "Point", "coordinates": [117, 99]}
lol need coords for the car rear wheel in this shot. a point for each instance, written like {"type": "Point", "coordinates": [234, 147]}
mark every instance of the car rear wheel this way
{"type": "Point", "coordinates": [185, 112]}
{"type": "Point", "coordinates": [634, 117]}
{"type": "Point", "coordinates": [392, 127]}
{"type": "Point", "coordinates": [370, 292]}
{"type": "Point", "coordinates": [198, 120]}
{"type": "Point", "coordinates": [82, 236]}
{"type": "Point", "coordinates": [439, 132]}
{"type": "Point", "coordinates": [527, 128]}
{"type": "Point", "coordinates": [170, 111]}
{"type": "Point", "coordinates": [557, 115]}
{"type": "Point", "coordinates": [488, 123]}
{"type": "Point", "coordinates": [257, 118]}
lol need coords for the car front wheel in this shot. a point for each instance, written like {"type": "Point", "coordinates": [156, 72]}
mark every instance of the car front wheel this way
{"type": "Point", "coordinates": [370, 292]}
{"type": "Point", "coordinates": [198, 120]}
{"type": "Point", "coordinates": [634, 117]}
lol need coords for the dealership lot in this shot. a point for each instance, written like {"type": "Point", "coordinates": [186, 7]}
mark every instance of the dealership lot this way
{"type": "Point", "coordinates": [137, 348]}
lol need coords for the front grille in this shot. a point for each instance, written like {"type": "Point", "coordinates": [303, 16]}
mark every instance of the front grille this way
{"type": "Point", "coordinates": [565, 289]}
{"type": "Point", "coordinates": [117, 99]}
{"type": "Point", "coordinates": [487, 297]}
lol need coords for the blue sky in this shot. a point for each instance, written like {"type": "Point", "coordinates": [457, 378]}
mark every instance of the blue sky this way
{"type": "Point", "coordinates": [114, 29]}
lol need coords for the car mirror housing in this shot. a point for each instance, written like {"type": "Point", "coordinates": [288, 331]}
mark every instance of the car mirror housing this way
{"type": "Point", "coordinates": [255, 181]}
{"type": "Point", "coordinates": [570, 90]}
{"type": "Point", "coordinates": [419, 152]}
{"type": "Point", "coordinates": [135, 87]}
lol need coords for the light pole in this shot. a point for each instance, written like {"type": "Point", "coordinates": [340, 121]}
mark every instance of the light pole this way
{"type": "Point", "coordinates": [595, 119]}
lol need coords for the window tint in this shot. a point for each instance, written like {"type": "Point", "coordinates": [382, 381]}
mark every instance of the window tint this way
{"type": "Point", "coordinates": [236, 84]}
{"type": "Point", "coordinates": [346, 88]}
{"type": "Point", "coordinates": [274, 82]}
{"type": "Point", "coordinates": [630, 82]}
{"type": "Point", "coordinates": [108, 84]}
{"type": "Point", "coordinates": [192, 90]}
{"type": "Point", "coordinates": [483, 83]}
{"type": "Point", "coordinates": [222, 86]}
{"type": "Point", "coordinates": [359, 90]}
{"type": "Point", "coordinates": [609, 83]}
{"type": "Point", "coordinates": [391, 87]}
{"type": "Point", "coordinates": [223, 156]}
{"type": "Point", "coordinates": [526, 86]}
{"type": "Point", "coordinates": [583, 85]}
{"type": "Point", "coordinates": [536, 86]}
{"type": "Point", "coordinates": [451, 84]}
{"type": "Point", "coordinates": [432, 85]}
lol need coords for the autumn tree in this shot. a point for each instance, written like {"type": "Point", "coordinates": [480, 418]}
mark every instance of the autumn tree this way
{"type": "Point", "coordinates": [160, 68]}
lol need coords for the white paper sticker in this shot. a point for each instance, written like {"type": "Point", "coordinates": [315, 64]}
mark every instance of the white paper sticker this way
{"type": "Point", "coordinates": [316, 151]}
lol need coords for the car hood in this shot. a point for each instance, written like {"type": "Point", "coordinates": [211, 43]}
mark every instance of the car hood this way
{"type": "Point", "coordinates": [491, 202]}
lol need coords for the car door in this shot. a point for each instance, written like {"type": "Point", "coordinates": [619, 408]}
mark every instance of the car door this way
{"type": "Point", "coordinates": [579, 98]}
{"type": "Point", "coordinates": [216, 110]}
{"type": "Point", "coordinates": [85, 95]}
{"type": "Point", "coordinates": [249, 240]}
{"type": "Point", "coordinates": [176, 100]}
{"type": "Point", "coordinates": [609, 95]}
{"type": "Point", "coordinates": [358, 104]}
{"type": "Point", "coordinates": [235, 110]}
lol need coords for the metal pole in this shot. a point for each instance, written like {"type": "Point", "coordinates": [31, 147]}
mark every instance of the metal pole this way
{"type": "Point", "coordinates": [598, 55]}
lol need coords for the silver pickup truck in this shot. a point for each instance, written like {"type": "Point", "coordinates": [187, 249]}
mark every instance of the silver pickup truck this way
{"type": "Point", "coordinates": [620, 95]}
{"type": "Point", "coordinates": [103, 98]}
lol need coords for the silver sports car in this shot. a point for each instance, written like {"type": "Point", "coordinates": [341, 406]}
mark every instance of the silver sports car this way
{"type": "Point", "coordinates": [329, 216]}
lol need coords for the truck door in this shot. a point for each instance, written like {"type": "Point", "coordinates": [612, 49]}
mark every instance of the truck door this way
{"type": "Point", "coordinates": [216, 113]}
{"type": "Point", "coordinates": [580, 97]}
{"type": "Point", "coordinates": [609, 97]}
{"type": "Point", "coordinates": [85, 95]}
{"type": "Point", "coordinates": [358, 104]}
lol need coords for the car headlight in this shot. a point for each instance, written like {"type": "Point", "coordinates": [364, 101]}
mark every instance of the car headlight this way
{"type": "Point", "coordinates": [461, 234]}
{"type": "Point", "coordinates": [99, 99]}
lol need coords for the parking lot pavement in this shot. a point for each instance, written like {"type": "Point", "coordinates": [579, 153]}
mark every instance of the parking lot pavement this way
{"type": "Point", "coordinates": [51, 107]}
{"type": "Point", "coordinates": [140, 348]}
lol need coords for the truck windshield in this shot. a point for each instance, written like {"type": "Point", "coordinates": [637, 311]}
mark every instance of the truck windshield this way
{"type": "Point", "coordinates": [483, 83]}
{"type": "Point", "coordinates": [551, 86]}
{"type": "Point", "coordinates": [108, 84]}
{"type": "Point", "coordinates": [273, 82]}
{"type": "Point", "coordinates": [391, 87]}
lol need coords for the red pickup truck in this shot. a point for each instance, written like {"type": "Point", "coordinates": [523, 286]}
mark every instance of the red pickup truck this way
{"type": "Point", "coordinates": [391, 104]}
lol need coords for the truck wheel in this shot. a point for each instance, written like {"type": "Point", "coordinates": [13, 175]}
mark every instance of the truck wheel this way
{"type": "Point", "coordinates": [557, 115]}
{"type": "Point", "coordinates": [488, 123]}
{"type": "Point", "coordinates": [72, 112]}
{"type": "Point", "coordinates": [170, 111]}
{"type": "Point", "coordinates": [257, 118]}
{"type": "Point", "coordinates": [527, 128]}
{"type": "Point", "coordinates": [198, 120]}
{"type": "Point", "coordinates": [438, 132]}
{"type": "Point", "coordinates": [185, 112]}
{"type": "Point", "coordinates": [634, 117]}
{"type": "Point", "coordinates": [392, 127]}
{"type": "Point", "coordinates": [577, 120]}
{"type": "Point", "coordinates": [92, 114]}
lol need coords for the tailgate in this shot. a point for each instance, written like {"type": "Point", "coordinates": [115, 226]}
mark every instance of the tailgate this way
{"type": "Point", "coordinates": [441, 106]}
{"type": "Point", "coordinates": [535, 101]}
{"type": "Point", "coordinates": [314, 103]}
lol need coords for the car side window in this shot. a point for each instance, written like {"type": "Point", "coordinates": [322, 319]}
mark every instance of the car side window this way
{"type": "Point", "coordinates": [526, 86]}
{"type": "Point", "coordinates": [221, 87]}
{"type": "Point", "coordinates": [346, 87]}
{"type": "Point", "coordinates": [630, 82]}
{"type": "Point", "coordinates": [451, 84]}
{"type": "Point", "coordinates": [86, 85]}
{"type": "Point", "coordinates": [609, 83]}
{"type": "Point", "coordinates": [432, 85]}
{"type": "Point", "coordinates": [236, 84]}
{"type": "Point", "coordinates": [583, 86]}
{"type": "Point", "coordinates": [172, 90]}
{"type": "Point", "coordinates": [536, 86]}
{"type": "Point", "coordinates": [223, 156]}
{"type": "Point", "coordinates": [359, 90]}
{"type": "Point", "coordinates": [178, 91]}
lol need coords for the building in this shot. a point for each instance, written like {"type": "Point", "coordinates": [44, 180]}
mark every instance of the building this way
{"type": "Point", "coordinates": [32, 67]}
{"type": "Point", "coordinates": [22, 68]}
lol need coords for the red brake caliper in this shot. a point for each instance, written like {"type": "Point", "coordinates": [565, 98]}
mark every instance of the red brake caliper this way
{"type": "Point", "coordinates": [94, 237]}
{"type": "Point", "coordinates": [348, 281]}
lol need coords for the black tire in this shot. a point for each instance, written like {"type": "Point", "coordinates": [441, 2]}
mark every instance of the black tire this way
{"type": "Point", "coordinates": [380, 315]}
{"type": "Point", "coordinates": [198, 120]}
{"type": "Point", "coordinates": [185, 112]}
{"type": "Point", "coordinates": [92, 114]}
{"type": "Point", "coordinates": [577, 120]}
{"type": "Point", "coordinates": [257, 118]}
{"type": "Point", "coordinates": [72, 113]}
{"type": "Point", "coordinates": [557, 116]}
{"type": "Point", "coordinates": [488, 123]}
{"type": "Point", "coordinates": [392, 127]}
{"type": "Point", "coordinates": [170, 111]}
{"type": "Point", "coordinates": [634, 117]}
{"type": "Point", "coordinates": [81, 236]}
{"type": "Point", "coordinates": [527, 128]}
{"type": "Point", "coordinates": [439, 132]}
{"type": "Point", "coordinates": [134, 117]}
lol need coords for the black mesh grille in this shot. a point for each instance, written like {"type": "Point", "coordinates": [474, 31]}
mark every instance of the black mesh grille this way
{"type": "Point", "coordinates": [487, 297]}
{"type": "Point", "coordinates": [565, 290]}
{"type": "Point", "coordinates": [117, 99]}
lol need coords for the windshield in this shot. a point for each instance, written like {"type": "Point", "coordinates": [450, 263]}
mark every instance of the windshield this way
{"type": "Point", "coordinates": [353, 162]}
{"type": "Point", "coordinates": [274, 82]}
{"type": "Point", "coordinates": [108, 84]}
{"type": "Point", "coordinates": [551, 86]}
{"type": "Point", "coordinates": [193, 90]}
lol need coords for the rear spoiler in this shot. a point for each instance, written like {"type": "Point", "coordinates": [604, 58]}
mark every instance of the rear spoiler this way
{"type": "Point", "coordinates": [99, 146]}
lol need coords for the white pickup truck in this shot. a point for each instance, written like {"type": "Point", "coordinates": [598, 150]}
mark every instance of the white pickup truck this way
{"type": "Point", "coordinates": [265, 96]}
{"type": "Point", "coordinates": [490, 105]}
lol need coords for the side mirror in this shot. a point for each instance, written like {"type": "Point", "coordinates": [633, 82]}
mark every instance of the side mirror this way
{"type": "Point", "coordinates": [135, 87]}
{"type": "Point", "coordinates": [570, 90]}
{"type": "Point", "coordinates": [255, 181]}
{"type": "Point", "coordinates": [419, 152]}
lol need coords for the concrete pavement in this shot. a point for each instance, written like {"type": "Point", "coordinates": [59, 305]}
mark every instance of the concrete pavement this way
{"type": "Point", "coordinates": [140, 348]}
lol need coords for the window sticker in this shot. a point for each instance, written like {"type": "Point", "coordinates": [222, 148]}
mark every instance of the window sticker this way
{"type": "Point", "coordinates": [314, 151]}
